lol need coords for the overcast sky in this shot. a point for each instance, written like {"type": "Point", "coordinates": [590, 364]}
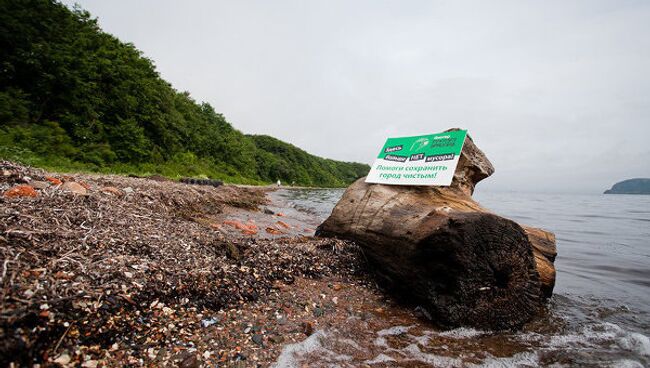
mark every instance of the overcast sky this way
{"type": "Point", "coordinates": [557, 93]}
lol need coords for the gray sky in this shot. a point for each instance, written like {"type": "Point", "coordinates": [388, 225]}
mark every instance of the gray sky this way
{"type": "Point", "coordinates": [557, 93]}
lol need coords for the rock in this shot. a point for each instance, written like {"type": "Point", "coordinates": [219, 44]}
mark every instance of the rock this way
{"type": "Point", "coordinates": [5, 173]}
{"type": "Point", "coordinates": [307, 328]}
{"type": "Point", "coordinates": [247, 229]}
{"type": "Point", "coordinates": [21, 191]}
{"type": "Point", "coordinates": [73, 187]}
{"type": "Point", "coordinates": [283, 224]}
{"type": "Point", "coordinates": [274, 231]}
{"type": "Point", "coordinates": [439, 248]}
{"type": "Point", "coordinates": [63, 359]}
{"type": "Point", "coordinates": [53, 180]}
{"type": "Point", "coordinates": [37, 184]}
{"type": "Point", "coordinates": [128, 190]}
{"type": "Point", "coordinates": [112, 190]}
{"type": "Point", "coordinates": [268, 211]}
{"type": "Point", "coordinates": [209, 322]}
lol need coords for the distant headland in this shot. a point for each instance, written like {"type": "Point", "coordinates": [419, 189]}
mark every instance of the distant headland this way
{"type": "Point", "coordinates": [631, 186]}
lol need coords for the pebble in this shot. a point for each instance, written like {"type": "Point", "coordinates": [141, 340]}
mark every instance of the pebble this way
{"type": "Point", "coordinates": [307, 328]}
{"type": "Point", "coordinates": [209, 322]}
{"type": "Point", "coordinates": [62, 359]}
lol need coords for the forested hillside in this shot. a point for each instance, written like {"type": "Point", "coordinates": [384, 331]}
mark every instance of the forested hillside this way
{"type": "Point", "coordinates": [75, 98]}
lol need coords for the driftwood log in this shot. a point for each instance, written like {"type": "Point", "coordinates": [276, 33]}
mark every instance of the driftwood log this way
{"type": "Point", "coordinates": [437, 246]}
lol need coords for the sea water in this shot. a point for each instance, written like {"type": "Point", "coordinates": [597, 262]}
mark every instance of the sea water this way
{"type": "Point", "coordinates": [598, 316]}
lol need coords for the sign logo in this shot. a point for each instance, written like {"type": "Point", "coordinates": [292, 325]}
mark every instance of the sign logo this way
{"type": "Point", "coordinates": [422, 160]}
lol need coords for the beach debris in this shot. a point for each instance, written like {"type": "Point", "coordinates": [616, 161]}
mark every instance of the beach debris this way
{"type": "Point", "coordinates": [21, 191]}
{"type": "Point", "coordinates": [436, 245]}
{"type": "Point", "coordinates": [139, 282]}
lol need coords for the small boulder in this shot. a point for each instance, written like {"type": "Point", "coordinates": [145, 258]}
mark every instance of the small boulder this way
{"type": "Point", "coordinates": [73, 187]}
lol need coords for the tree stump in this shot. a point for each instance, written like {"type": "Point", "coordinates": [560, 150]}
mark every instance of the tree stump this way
{"type": "Point", "coordinates": [438, 247]}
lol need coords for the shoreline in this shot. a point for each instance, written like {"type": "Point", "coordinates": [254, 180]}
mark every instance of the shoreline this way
{"type": "Point", "coordinates": [145, 273]}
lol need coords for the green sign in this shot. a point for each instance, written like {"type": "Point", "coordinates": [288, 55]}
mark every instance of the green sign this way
{"type": "Point", "coordinates": [421, 160]}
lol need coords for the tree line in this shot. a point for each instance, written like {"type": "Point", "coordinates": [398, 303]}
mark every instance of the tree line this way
{"type": "Point", "coordinates": [73, 97]}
